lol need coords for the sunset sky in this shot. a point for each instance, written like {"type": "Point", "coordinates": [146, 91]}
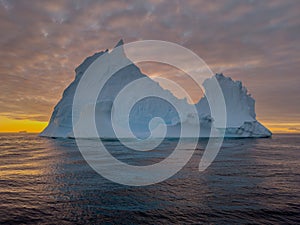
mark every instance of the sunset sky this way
{"type": "Point", "coordinates": [42, 42]}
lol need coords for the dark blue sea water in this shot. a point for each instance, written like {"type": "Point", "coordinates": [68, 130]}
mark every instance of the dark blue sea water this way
{"type": "Point", "coordinates": [46, 181]}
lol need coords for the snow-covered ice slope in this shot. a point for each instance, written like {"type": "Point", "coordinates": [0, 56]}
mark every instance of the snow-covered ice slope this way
{"type": "Point", "coordinates": [241, 118]}
{"type": "Point", "coordinates": [240, 108]}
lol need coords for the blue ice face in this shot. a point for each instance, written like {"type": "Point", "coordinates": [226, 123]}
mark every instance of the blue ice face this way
{"type": "Point", "coordinates": [147, 109]}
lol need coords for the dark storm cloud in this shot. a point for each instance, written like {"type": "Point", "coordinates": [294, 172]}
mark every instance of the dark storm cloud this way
{"type": "Point", "coordinates": [254, 41]}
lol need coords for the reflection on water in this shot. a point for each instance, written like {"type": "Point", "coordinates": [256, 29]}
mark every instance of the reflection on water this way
{"type": "Point", "coordinates": [47, 181]}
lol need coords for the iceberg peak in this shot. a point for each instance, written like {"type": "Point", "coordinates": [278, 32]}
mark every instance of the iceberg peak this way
{"type": "Point", "coordinates": [118, 50]}
{"type": "Point", "coordinates": [121, 42]}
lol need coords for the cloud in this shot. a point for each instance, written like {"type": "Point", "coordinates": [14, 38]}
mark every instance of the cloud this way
{"type": "Point", "coordinates": [254, 41]}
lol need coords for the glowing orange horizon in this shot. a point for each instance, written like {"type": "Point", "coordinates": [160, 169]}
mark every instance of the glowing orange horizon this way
{"type": "Point", "coordinates": [8, 125]}
{"type": "Point", "coordinates": [12, 125]}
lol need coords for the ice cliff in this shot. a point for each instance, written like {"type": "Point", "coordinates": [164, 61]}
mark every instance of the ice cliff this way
{"type": "Point", "coordinates": [240, 107]}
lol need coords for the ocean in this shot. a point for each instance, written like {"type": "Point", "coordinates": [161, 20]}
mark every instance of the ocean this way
{"type": "Point", "coordinates": [251, 181]}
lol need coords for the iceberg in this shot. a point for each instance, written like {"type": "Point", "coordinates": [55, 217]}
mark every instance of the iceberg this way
{"type": "Point", "coordinates": [240, 107]}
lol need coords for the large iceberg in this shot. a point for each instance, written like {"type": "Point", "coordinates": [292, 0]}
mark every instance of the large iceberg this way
{"type": "Point", "coordinates": [240, 107]}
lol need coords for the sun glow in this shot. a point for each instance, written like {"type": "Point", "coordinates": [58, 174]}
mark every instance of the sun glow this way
{"type": "Point", "coordinates": [13, 125]}
{"type": "Point", "coordinates": [282, 127]}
